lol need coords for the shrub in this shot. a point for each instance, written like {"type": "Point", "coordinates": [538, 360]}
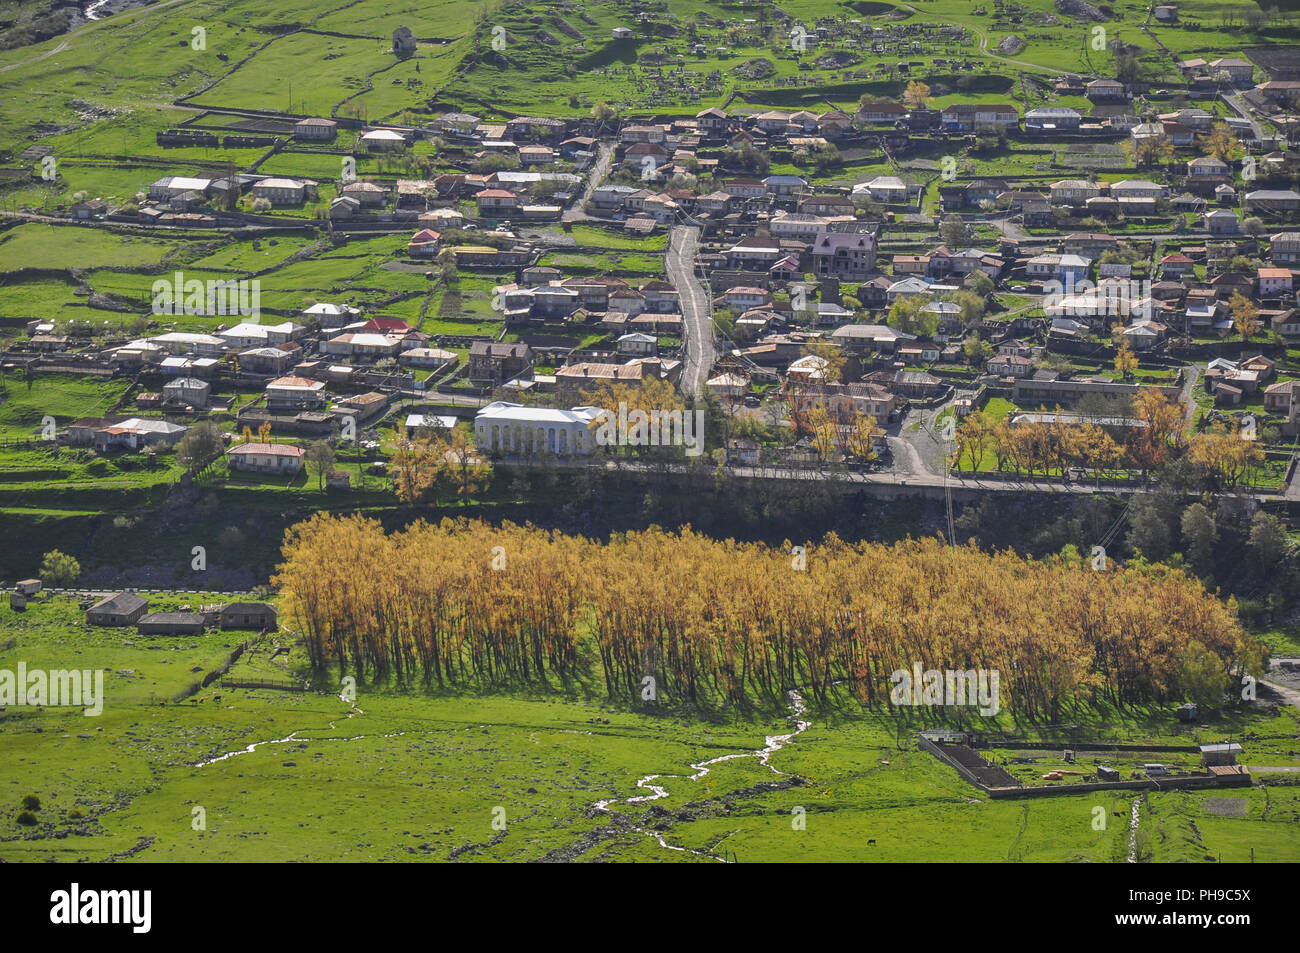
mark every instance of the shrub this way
{"type": "Point", "coordinates": [32, 803]}
{"type": "Point", "coordinates": [27, 819]}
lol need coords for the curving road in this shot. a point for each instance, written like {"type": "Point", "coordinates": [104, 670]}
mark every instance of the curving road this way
{"type": "Point", "coordinates": [697, 310]}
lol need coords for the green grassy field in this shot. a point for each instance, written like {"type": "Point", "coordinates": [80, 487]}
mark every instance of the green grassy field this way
{"type": "Point", "coordinates": [49, 247]}
{"type": "Point", "coordinates": [409, 775]}
{"type": "Point", "coordinates": [63, 397]}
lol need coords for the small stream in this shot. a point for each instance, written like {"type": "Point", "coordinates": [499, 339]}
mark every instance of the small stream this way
{"type": "Point", "coordinates": [1133, 831]}
{"type": "Point", "coordinates": [772, 744]}
{"type": "Point", "coordinates": [92, 9]}
{"type": "Point", "coordinates": [292, 736]}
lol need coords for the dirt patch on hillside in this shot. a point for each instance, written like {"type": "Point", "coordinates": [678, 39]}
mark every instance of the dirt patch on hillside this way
{"type": "Point", "coordinates": [1079, 9]}
{"type": "Point", "coordinates": [757, 68]}
{"type": "Point", "coordinates": [1011, 45]}
{"type": "Point", "coordinates": [837, 60]}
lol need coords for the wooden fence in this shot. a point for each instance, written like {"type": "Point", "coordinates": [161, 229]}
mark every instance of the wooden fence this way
{"type": "Point", "coordinates": [264, 683]}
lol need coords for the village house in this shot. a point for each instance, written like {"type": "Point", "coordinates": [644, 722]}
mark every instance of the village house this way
{"type": "Point", "coordinates": [1282, 398]}
{"type": "Point", "coordinates": [92, 210]}
{"type": "Point", "coordinates": [889, 189]}
{"type": "Point", "coordinates": [441, 219]}
{"type": "Point", "coordinates": [634, 134]}
{"type": "Point", "coordinates": [660, 297]}
{"type": "Point", "coordinates": [1175, 266]}
{"type": "Point", "coordinates": [1073, 191]}
{"type": "Point", "coordinates": [137, 433]}
{"type": "Point", "coordinates": [744, 188]}
{"type": "Point", "coordinates": [1284, 248]}
{"type": "Point", "coordinates": [727, 385]}
{"type": "Point", "coordinates": [635, 344]}
{"type": "Point", "coordinates": [1138, 189]}
{"type": "Point", "coordinates": [845, 401]}
{"type": "Point", "coordinates": [426, 357]}
{"type": "Point", "coordinates": [1272, 201]}
{"type": "Point", "coordinates": [917, 384]}
{"type": "Point", "coordinates": [785, 184]}
{"type": "Point", "coordinates": [122, 609]}
{"type": "Point", "coordinates": [1064, 268]}
{"type": "Point", "coordinates": [1286, 322]}
{"type": "Point", "coordinates": [315, 129]}
{"type": "Point", "coordinates": [1089, 244]}
{"type": "Point", "coordinates": [715, 203]}
{"type": "Point", "coordinates": [714, 122]}
{"type": "Point", "coordinates": [881, 112]}
{"type": "Point", "coordinates": [173, 186]}
{"type": "Point", "coordinates": [827, 205]}
{"type": "Point", "coordinates": [909, 287]}
{"type": "Point", "coordinates": [866, 337]}
{"type": "Point", "coordinates": [1048, 119]}
{"type": "Point", "coordinates": [1208, 166]}
{"type": "Point", "coordinates": [1222, 221]}
{"type": "Point", "coordinates": [1240, 72]}
{"type": "Point", "coordinates": [280, 458]}
{"type": "Point", "coordinates": [979, 117]}
{"type": "Point", "coordinates": [366, 194]}
{"type": "Point", "coordinates": [424, 244]}
{"type": "Point", "coordinates": [754, 254]}
{"type": "Point", "coordinates": [535, 129]}
{"type": "Point", "coordinates": [796, 226]}
{"type": "Point", "coordinates": [494, 362]}
{"type": "Point", "coordinates": [1030, 390]}
{"type": "Point", "coordinates": [172, 623]}
{"type": "Point", "coordinates": [744, 298]}
{"type": "Point", "coordinates": [491, 202]}
{"type": "Point", "coordinates": [383, 140]}
{"type": "Point", "coordinates": [274, 359]}
{"type": "Point", "coordinates": [249, 615]}
{"type": "Point", "coordinates": [246, 335]}
{"type": "Point", "coordinates": [536, 155]}
{"type": "Point", "coordinates": [280, 191]}
{"type": "Point", "coordinates": [1274, 282]}
{"type": "Point", "coordinates": [844, 255]}
{"type": "Point", "coordinates": [610, 197]}
{"type": "Point", "coordinates": [186, 392]}
{"type": "Point", "coordinates": [1144, 335]}
{"type": "Point", "coordinates": [1105, 90]}
{"type": "Point", "coordinates": [1010, 365]}
{"type": "Point", "coordinates": [294, 393]}
{"type": "Point", "coordinates": [362, 345]}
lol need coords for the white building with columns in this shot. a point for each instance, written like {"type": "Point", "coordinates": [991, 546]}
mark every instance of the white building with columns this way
{"type": "Point", "coordinates": [507, 428]}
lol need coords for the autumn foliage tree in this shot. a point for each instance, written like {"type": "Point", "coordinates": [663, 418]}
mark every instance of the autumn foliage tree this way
{"type": "Point", "coordinates": [721, 621]}
{"type": "Point", "coordinates": [1220, 143]}
{"type": "Point", "coordinates": [916, 95]}
{"type": "Point", "coordinates": [1245, 315]}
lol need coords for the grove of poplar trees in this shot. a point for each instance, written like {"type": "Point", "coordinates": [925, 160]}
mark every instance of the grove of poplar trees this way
{"type": "Point", "coordinates": [720, 621]}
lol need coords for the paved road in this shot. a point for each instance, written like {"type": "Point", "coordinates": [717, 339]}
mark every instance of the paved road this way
{"type": "Point", "coordinates": [1245, 112]}
{"type": "Point", "coordinates": [916, 448]}
{"type": "Point", "coordinates": [596, 175]}
{"type": "Point", "coordinates": [697, 309]}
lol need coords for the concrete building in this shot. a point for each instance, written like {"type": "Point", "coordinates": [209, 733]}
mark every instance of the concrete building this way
{"type": "Point", "coordinates": [503, 427]}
